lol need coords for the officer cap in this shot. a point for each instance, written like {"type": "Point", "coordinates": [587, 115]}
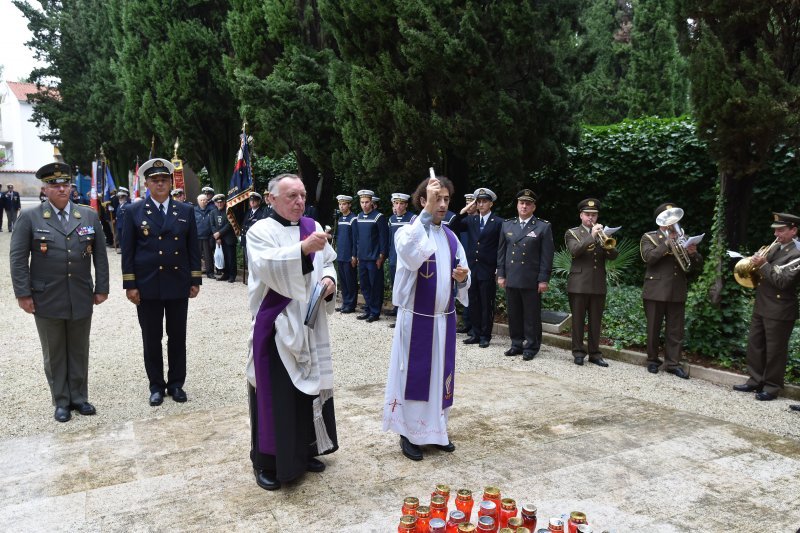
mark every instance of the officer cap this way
{"type": "Point", "coordinates": [344, 198]}
{"type": "Point", "coordinates": [589, 205]}
{"type": "Point", "coordinates": [663, 207]}
{"type": "Point", "coordinates": [207, 189]}
{"type": "Point", "coordinates": [400, 197]}
{"type": "Point", "coordinates": [254, 194]}
{"type": "Point", "coordinates": [156, 167]}
{"type": "Point", "coordinates": [54, 173]}
{"type": "Point", "coordinates": [780, 220]}
{"type": "Point", "coordinates": [176, 192]}
{"type": "Point", "coordinates": [485, 194]}
{"type": "Point", "coordinates": [122, 193]}
{"type": "Point", "coordinates": [365, 193]}
{"type": "Point", "coordinates": [469, 197]}
{"type": "Point", "coordinates": [123, 189]}
{"type": "Point", "coordinates": [218, 197]}
{"type": "Point", "coordinates": [527, 194]}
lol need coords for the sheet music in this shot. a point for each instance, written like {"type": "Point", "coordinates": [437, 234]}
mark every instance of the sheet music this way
{"type": "Point", "coordinates": [611, 231]}
{"type": "Point", "coordinates": [735, 255]}
{"type": "Point", "coordinates": [694, 240]}
{"type": "Point", "coordinates": [314, 304]}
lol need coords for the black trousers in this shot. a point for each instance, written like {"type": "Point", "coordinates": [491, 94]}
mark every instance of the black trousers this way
{"type": "Point", "coordinates": [524, 318]}
{"type": "Point", "coordinates": [580, 305]}
{"type": "Point", "coordinates": [229, 251]}
{"type": "Point", "coordinates": [207, 253]}
{"type": "Point", "coordinates": [152, 314]}
{"type": "Point", "coordinates": [481, 307]}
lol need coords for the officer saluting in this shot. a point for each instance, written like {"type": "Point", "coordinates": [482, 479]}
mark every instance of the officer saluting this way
{"type": "Point", "coordinates": [52, 249]}
{"type": "Point", "coordinates": [160, 272]}
{"type": "Point", "coordinates": [586, 284]}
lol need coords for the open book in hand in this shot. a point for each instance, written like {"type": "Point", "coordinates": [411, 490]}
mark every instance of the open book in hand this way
{"type": "Point", "coordinates": [314, 303]}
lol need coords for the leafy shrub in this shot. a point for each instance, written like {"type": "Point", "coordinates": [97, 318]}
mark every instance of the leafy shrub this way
{"type": "Point", "coordinates": [623, 320]}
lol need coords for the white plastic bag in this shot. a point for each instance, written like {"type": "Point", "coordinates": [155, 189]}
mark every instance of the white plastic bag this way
{"type": "Point", "coordinates": [219, 258]}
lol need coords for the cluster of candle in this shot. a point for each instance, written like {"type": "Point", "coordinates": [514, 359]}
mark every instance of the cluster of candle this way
{"type": "Point", "coordinates": [494, 514]}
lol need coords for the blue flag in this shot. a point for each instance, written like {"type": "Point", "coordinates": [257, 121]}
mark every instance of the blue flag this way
{"type": "Point", "coordinates": [110, 186]}
{"type": "Point", "coordinates": [242, 178]}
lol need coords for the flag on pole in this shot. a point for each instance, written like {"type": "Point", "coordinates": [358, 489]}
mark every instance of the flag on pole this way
{"type": "Point", "coordinates": [135, 188]}
{"type": "Point", "coordinates": [109, 184]}
{"type": "Point", "coordinates": [93, 197]}
{"type": "Point", "coordinates": [241, 185]}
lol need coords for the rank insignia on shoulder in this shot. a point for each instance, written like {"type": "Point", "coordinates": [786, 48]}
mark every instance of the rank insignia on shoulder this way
{"type": "Point", "coordinates": [76, 214]}
{"type": "Point", "coordinates": [47, 214]}
{"type": "Point", "coordinates": [149, 212]}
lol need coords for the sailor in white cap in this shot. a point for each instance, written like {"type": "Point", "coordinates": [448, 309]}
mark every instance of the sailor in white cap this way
{"type": "Point", "coordinates": [346, 255]}
{"type": "Point", "coordinates": [371, 236]}
{"type": "Point", "coordinates": [401, 216]}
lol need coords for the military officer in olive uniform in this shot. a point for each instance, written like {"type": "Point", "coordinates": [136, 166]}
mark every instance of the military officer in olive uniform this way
{"type": "Point", "coordinates": [775, 311]}
{"type": "Point", "coordinates": [664, 294]}
{"type": "Point", "coordinates": [53, 248]}
{"type": "Point", "coordinates": [586, 284]}
{"type": "Point", "coordinates": [524, 264]}
{"type": "Point", "coordinates": [160, 272]}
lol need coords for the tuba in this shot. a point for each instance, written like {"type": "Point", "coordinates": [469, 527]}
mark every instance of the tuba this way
{"type": "Point", "coordinates": [669, 218]}
{"type": "Point", "coordinates": [745, 273]}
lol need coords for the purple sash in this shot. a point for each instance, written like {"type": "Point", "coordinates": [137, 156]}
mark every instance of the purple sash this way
{"type": "Point", "coordinates": [263, 331]}
{"type": "Point", "coordinates": [420, 350]}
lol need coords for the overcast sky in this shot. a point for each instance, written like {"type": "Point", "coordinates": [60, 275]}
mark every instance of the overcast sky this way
{"type": "Point", "coordinates": [16, 58]}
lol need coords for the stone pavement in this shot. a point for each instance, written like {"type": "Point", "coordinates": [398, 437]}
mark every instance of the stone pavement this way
{"type": "Point", "coordinates": [630, 465]}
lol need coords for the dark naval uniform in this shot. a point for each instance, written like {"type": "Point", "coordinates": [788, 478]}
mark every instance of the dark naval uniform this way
{"type": "Point", "coordinates": [448, 218]}
{"type": "Point", "coordinates": [586, 286]}
{"type": "Point", "coordinates": [525, 259]}
{"type": "Point", "coordinates": [774, 316]}
{"type": "Point", "coordinates": [371, 237]}
{"type": "Point", "coordinates": [220, 223]}
{"type": "Point", "coordinates": [345, 251]}
{"type": "Point", "coordinates": [161, 258]}
{"type": "Point", "coordinates": [250, 218]}
{"type": "Point", "coordinates": [51, 262]}
{"type": "Point", "coordinates": [395, 223]}
{"type": "Point", "coordinates": [664, 297]}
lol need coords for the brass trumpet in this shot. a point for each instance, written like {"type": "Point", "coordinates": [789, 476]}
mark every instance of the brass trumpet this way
{"type": "Point", "coordinates": [608, 243]}
{"type": "Point", "coordinates": [745, 273]}
{"type": "Point", "coordinates": [669, 219]}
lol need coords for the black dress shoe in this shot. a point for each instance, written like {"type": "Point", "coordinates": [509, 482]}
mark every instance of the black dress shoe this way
{"type": "Point", "coordinates": [338, 308]}
{"type": "Point", "coordinates": [179, 395]}
{"type": "Point", "coordinates": [393, 312]}
{"type": "Point", "coordinates": [363, 317]}
{"type": "Point", "coordinates": [744, 387]}
{"type": "Point", "coordinates": [765, 396]}
{"type": "Point", "coordinates": [599, 361]}
{"type": "Point", "coordinates": [678, 371]}
{"type": "Point", "coordinates": [410, 450]}
{"type": "Point", "coordinates": [463, 329]}
{"type": "Point", "coordinates": [232, 280]}
{"type": "Point", "coordinates": [373, 318]}
{"type": "Point", "coordinates": [483, 344]}
{"type": "Point", "coordinates": [210, 276]}
{"type": "Point", "coordinates": [652, 368]}
{"type": "Point", "coordinates": [449, 447]}
{"type": "Point", "coordinates": [348, 311]}
{"type": "Point", "coordinates": [62, 414]}
{"type": "Point", "coordinates": [223, 278]}
{"type": "Point", "coordinates": [471, 340]}
{"type": "Point", "coordinates": [156, 398]}
{"type": "Point", "coordinates": [85, 408]}
{"type": "Point", "coordinates": [578, 359]}
{"type": "Point", "coordinates": [266, 481]}
{"type": "Point", "coordinates": [528, 355]}
{"type": "Point", "coordinates": [392, 325]}
{"type": "Point", "coordinates": [795, 407]}
{"type": "Point", "coordinates": [512, 351]}
{"type": "Point", "coordinates": [315, 465]}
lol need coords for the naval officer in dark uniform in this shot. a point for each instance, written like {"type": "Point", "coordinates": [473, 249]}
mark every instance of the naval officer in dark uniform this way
{"type": "Point", "coordinates": [346, 254]}
{"type": "Point", "coordinates": [586, 284]}
{"type": "Point", "coordinates": [484, 229]}
{"type": "Point", "coordinates": [775, 311]}
{"type": "Point", "coordinates": [53, 248]}
{"type": "Point", "coordinates": [664, 294]}
{"type": "Point", "coordinates": [160, 272]}
{"type": "Point", "coordinates": [256, 212]}
{"type": "Point", "coordinates": [524, 264]}
{"type": "Point", "coordinates": [371, 237]}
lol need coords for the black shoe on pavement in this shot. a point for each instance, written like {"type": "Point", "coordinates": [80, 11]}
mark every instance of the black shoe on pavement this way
{"type": "Point", "coordinates": [373, 318]}
{"type": "Point", "coordinates": [471, 340]}
{"type": "Point", "coordinates": [745, 387]}
{"type": "Point", "coordinates": [449, 447]}
{"type": "Point", "coordinates": [528, 355]}
{"type": "Point", "coordinates": [463, 329]}
{"type": "Point", "coordinates": [347, 311]}
{"type": "Point", "coordinates": [483, 344]}
{"type": "Point", "coordinates": [599, 361]}
{"type": "Point", "coordinates": [411, 451]}
{"type": "Point", "coordinates": [652, 368]}
{"type": "Point", "coordinates": [265, 480]}
{"type": "Point", "coordinates": [62, 414]}
{"type": "Point", "coordinates": [363, 317]}
{"type": "Point", "coordinates": [85, 408]}
{"type": "Point", "coordinates": [795, 407]}
{"type": "Point", "coordinates": [678, 371]}
{"type": "Point", "coordinates": [179, 395]}
{"type": "Point", "coordinates": [156, 398]}
{"type": "Point", "coordinates": [578, 359]}
{"type": "Point", "coordinates": [765, 397]}
{"type": "Point", "coordinates": [512, 352]}
{"type": "Point", "coordinates": [315, 465]}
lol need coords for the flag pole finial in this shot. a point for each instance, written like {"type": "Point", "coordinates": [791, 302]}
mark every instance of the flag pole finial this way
{"type": "Point", "coordinates": [175, 153]}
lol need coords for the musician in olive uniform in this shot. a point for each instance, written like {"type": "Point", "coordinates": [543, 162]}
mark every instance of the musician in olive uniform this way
{"type": "Point", "coordinates": [53, 248]}
{"type": "Point", "coordinates": [664, 293]}
{"type": "Point", "coordinates": [775, 310]}
{"type": "Point", "coordinates": [586, 284]}
{"type": "Point", "coordinates": [524, 264]}
{"type": "Point", "coordinates": [160, 272]}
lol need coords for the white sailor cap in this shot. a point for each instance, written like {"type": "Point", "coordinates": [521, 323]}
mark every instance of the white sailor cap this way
{"type": "Point", "coordinates": [156, 167]}
{"type": "Point", "coordinates": [122, 192]}
{"type": "Point", "coordinates": [365, 193]}
{"type": "Point", "coordinates": [123, 189]}
{"type": "Point", "coordinates": [218, 197]}
{"type": "Point", "coordinates": [485, 193]}
{"type": "Point", "coordinates": [207, 189]}
{"type": "Point", "coordinates": [254, 194]}
{"type": "Point", "coordinates": [399, 196]}
{"type": "Point", "coordinates": [344, 198]}
{"type": "Point", "coordinates": [376, 199]}
{"type": "Point", "coordinates": [176, 192]}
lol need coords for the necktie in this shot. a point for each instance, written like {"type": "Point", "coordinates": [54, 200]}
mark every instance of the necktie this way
{"type": "Point", "coordinates": [481, 225]}
{"type": "Point", "coordinates": [64, 218]}
{"type": "Point", "coordinates": [164, 211]}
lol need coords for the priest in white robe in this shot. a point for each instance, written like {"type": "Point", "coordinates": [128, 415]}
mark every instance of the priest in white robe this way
{"type": "Point", "coordinates": [431, 272]}
{"type": "Point", "coordinates": [289, 367]}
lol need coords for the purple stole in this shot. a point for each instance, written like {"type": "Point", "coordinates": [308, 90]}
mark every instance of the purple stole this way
{"type": "Point", "coordinates": [263, 332]}
{"type": "Point", "coordinates": [420, 349]}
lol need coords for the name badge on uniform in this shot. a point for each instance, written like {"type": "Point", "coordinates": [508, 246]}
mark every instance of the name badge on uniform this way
{"type": "Point", "coordinates": [86, 230]}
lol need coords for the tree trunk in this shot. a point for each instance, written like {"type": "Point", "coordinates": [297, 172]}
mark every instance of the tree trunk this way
{"type": "Point", "coordinates": [327, 203]}
{"type": "Point", "coordinates": [457, 169]}
{"type": "Point", "coordinates": [309, 173]}
{"type": "Point", "coordinates": [738, 192]}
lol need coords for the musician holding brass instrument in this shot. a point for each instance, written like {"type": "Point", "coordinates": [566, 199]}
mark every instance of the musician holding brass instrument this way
{"type": "Point", "coordinates": [590, 248]}
{"type": "Point", "coordinates": [774, 272]}
{"type": "Point", "coordinates": [668, 261]}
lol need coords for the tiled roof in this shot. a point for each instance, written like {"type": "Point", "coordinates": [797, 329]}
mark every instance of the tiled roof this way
{"type": "Point", "coordinates": [21, 90]}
